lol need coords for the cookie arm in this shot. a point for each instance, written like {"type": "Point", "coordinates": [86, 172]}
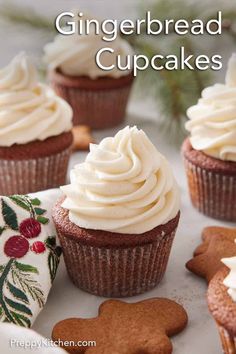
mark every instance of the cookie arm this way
{"type": "Point", "coordinates": [74, 330]}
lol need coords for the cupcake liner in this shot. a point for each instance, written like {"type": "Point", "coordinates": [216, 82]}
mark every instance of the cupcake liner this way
{"type": "Point", "coordinates": [98, 108]}
{"type": "Point", "coordinates": [228, 341]}
{"type": "Point", "coordinates": [28, 176]}
{"type": "Point", "coordinates": [116, 272]}
{"type": "Point", "coordinates": [212, 193]}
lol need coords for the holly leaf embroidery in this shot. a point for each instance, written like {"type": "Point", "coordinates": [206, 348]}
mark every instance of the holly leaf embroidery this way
{"type": "Point", "coordinates": [20, 201]}
{"type": "Point", "coordinates": [35, 201]}
{"type": "Point", "coordinates": [23, 278]}
{"type": "Point", "coordinates": [39, 211]}
{"type": "Point", "coordinates": [17, 285]}
{"type": "Point", "coordinates": [26, 267]}
{"type": "Point", "coordinates": [18, 307]}
{"type": "Point", "coordinates": [9, 216]}
{"type": "Point", "coordinates": [21, 319]}
{"type": "Point", "coordinates": [42, 220]}
{"type": "Point", "coordinates": [53, 262]}
{"type": "Point", "coordinates": [2, 229]}
{"type": "Point", "coordinates": [53, 257]}
{"type": "Point", "coordinates": [51, 241]}
{"type": "Point", "coordinates": [17, 293]}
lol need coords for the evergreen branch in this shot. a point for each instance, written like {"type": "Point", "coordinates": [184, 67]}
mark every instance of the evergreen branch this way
{"type": "Point", "coordinates": [173, 90]}
{"type": "Point", "coordinates": [163, 9]}
{"type": "Point", "coordinates": [3, 304]}
{"type": "Point", "coordinates": [25, 16]}
{"type": "Point", "coordinates": [29, 285]}
{"type": "Point", "coordinates": [189, 47]}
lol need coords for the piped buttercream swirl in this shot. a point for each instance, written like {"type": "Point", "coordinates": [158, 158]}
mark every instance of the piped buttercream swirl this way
{"type": "Point", "coordinates": [125, 185]}
{"type": "Point", "coordinates": [212, 123]}
{"type": "Point", "coordinates": [29, 110]}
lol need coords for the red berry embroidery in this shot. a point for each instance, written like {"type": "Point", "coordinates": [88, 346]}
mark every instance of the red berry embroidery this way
{"type": "Point", "coordinates": [38, 247]}
{"type": "Point", "coordinates": [30, 228]}
{"type": "Point", "coordinates": [16, 247]}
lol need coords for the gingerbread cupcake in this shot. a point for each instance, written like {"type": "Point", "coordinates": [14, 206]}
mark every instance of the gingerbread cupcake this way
{"type": "Point", "coordinates": [35, 131]}
{"type": "Point", "coordinates": [119, 215]}
{"type": "Point", "coordinates": [210, 151]}
{"type": "Point", "coordinates": [98, 97]}
{"type": "Point", "coordinates": [222, 304]}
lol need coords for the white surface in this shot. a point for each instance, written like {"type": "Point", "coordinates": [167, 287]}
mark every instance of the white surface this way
{"type": "Point", "coordinates": [178, 284]}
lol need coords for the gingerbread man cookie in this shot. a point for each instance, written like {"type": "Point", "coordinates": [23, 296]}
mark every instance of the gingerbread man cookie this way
{"type": "Point", "coordinates": [218, 243]}
{"type": "Point", "coordinates": [124, 328]}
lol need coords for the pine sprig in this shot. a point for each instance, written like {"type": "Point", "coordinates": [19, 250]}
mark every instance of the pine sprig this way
{"type": "Point", "coordinates": [25, 16]}
{"type": "Point", "coordinates": [28, 285]}
{"type": "Point", "coordinates": [174, 91]}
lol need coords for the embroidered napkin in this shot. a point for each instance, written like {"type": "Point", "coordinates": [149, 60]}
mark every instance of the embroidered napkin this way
{"type": "Point", "coordinates": [29, 255]}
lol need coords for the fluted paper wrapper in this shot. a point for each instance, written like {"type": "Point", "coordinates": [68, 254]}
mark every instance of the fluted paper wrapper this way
{"type": "Point", "coordinates": [228, 341]}
{"type": "Point", "coordinates": [98, 109]}
{"type": "Point", "coordinates": [117, 272]}
{"type": "Point", "coordinates": [212, 193]}
{"type": "Point", "coordinates": [28, 176]}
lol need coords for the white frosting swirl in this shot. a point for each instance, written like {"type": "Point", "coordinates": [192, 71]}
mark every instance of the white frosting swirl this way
{"type": "Point", "coordinates": [125, 185]}
{"type": "Point", "coordinates": [75, 54]}
{"type": "Point", "coordinates": [213, 120]}
{"type": "Point", "coordinates": [29, 110]}
{"type": "Point", "coordinates": [230, 280]}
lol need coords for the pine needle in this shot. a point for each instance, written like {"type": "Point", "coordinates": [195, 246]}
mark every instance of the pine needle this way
{"type": "Point", "coordinates": [25, 16]}
{"type": "Point", "coordinates": [175, 91]}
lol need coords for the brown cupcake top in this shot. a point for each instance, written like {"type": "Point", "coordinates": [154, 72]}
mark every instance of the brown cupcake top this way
{"type": "Point", "coordinates": [222, 307]}
{"type": "Point", "coordinates": [99, 238]}
{"type": "Point", "coordinates": [37, 148]}
{"type": "Point", "coordinates": [202, 160]}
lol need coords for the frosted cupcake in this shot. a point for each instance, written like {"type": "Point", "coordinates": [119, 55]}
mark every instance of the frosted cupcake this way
{"type": "Point", "coordinates": [222, 304]}
{"type": "Point", "coordinates": [210, 151]}
{"type": "Point", "coordinates": [118, 217]}
{"type": "Point", "coordinates": [98, 98]}
{"type": "Point", "coordinates": [35, 131]}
